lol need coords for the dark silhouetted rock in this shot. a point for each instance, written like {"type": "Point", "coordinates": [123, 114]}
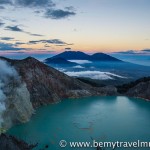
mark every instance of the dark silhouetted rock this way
{"type": "Point", "coordinates": [11, 143]}
{"type": "Point", "coordinates": [47, 85]}
{"type": "Point", "coordinates": [140, 88]}
{"type": "Point", "coordinates": [59, 61]}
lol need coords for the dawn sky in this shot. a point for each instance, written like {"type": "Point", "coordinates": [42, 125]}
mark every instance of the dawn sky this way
{"type": "Point", "coordinates": [40, 26]}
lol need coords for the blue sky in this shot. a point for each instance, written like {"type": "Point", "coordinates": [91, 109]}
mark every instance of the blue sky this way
{"type": "Point", "coordinates": [35, 26]}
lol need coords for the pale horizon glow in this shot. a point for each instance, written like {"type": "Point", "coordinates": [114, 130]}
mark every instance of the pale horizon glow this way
{"type": "Point", "coordinates": [95, 26]}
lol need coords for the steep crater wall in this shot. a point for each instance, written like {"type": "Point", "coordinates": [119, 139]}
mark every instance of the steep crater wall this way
{"type": "Point", "coordinates": [15, 105]}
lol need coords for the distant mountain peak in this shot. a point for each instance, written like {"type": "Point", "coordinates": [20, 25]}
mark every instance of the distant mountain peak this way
{"type": "Point", "coordinates": [78, 55]}
{"type": "Point", "coordinates": [100, 53]}
{"type": "Point", "coordinates": [29, 58]}
{"type": "Point", "coordinates": [73, 52]}
{"type": "Point", "coordinates": [73, 55]}
{"type": "Point", "coordinates": [59, 60]}
{"type": "Point", "coordinates": [103, 57]}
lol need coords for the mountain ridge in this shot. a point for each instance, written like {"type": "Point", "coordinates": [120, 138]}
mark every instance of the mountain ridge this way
{"type": "Point", "coordinates": [59, 61]}
{"type": "Point", "coordinates": [42, 85]}
{"type": "Point", "coordinates": [77, 55]}
{"type": "Point", "coordinates": [8, 142]}
{"type": "Point", "coordinates": [138, 89]}
{"type": "Point", "coordinates": [103, 57]}
{"type": "Point", "coordinates": [70, 55]}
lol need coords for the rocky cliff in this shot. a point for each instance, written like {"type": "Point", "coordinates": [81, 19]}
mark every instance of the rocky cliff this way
{"type": "Point", "coordinates": [15, 104]}
{"type": "Point", "coordinates": [12, 143]}
{"type": "Point", "coordinates": [140, 88]}
{"type": "Point", "coordinates": [47, 85]}
{"type": "Point", "coordinates": [38, 84]}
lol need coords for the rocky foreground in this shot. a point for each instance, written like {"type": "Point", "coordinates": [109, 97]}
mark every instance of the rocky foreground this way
{"type": "Point", "coordinates": [12, 143]}
{"type": "Point", "coordinates": [138, 89]}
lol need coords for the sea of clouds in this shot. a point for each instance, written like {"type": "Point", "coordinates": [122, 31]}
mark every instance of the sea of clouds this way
{"type": "Point", "coordinates": [81, 61]}
{"type": "Point", "coordinates": [94, 75]}
{"type": "Point", "coordinates": [78, 67]}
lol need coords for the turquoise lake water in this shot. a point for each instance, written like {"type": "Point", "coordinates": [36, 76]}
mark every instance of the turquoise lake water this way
{"type": "Point", "coordinates": [99, 118]}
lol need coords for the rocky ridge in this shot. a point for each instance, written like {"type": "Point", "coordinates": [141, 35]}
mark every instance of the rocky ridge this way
{"type": "Point", "coordinates": [11, 143]}
{"type": "Point", "coordinates": [41, 85]}
{"type": "Point", "coordinates": [138, 89]}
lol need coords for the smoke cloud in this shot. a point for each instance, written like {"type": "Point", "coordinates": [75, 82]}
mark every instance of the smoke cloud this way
{"type": "Point", "coordinates": [15, 104]}
{"type": "Point", "coordinates": [6, 72]}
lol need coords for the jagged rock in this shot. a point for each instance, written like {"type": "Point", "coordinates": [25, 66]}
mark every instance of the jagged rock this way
{"type": "Point", "coordinates": [38, 85]}
{"type": "Point", "coordinates": [12, 143]}
{"type": "Point", "coordinates": [16, 103]}
{"type": "Point", "coordinates": [138, 89]}
{"type": "Point", "coordinates": [141, 90]}
{"type": "Point", "coordinates": [47, 85]}
{"type": "Point", "coordinates": [109, 91]}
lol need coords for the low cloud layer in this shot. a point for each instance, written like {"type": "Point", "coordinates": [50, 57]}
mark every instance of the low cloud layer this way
{"type": "Point", "coordinates": [5, 46]}
{"type": "Point", "coordinates": [58, 14]}
{"type": "Point", "coordinates": [5, 2]}
{"type": "Point", "coordinates": [78, 67]}
{"type": "Point", "coordinates": [94, 75]}
{"type": "Point", "coordinates": [18, 29]}
{"type": "Point", "coordinates": [7, 38]}
{"type": "Point", "coordinates": [9, 47]}
{"type": "Point", "coordinates": [144, 51]}
{"type": "Point", "coordinates": [51, 41]}
{"type": "Point", "coordinates": [81, 61]}
{"type": "Point", "coordinates": [14, 28]}
{"type": "Point", "coordinates": [28, 3]}
{"type": "Point", "coordinates": [46, 7]}
{"type": "Point", "coordinates": [1, 23]}
{"type": "Point", "coordinates": [1, 7]}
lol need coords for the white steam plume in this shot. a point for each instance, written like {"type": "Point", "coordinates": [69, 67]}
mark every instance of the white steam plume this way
{"type": "Point", "coordinates": [6, 71]}
{"type": "Point", "coordinates": [15, 104]}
